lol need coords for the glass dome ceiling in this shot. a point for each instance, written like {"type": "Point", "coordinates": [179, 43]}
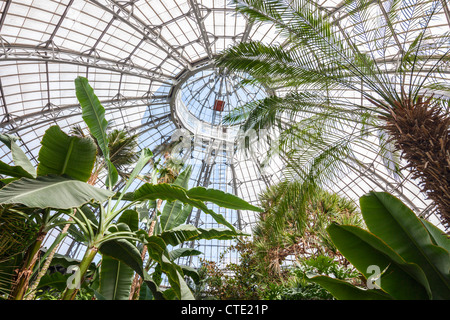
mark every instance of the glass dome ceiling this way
{"type": "Point", "coordinates": [210, 95]}
{"type": "Point", "coordinates": [149, 63]}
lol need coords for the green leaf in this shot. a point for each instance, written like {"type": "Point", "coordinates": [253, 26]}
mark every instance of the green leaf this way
{"type": "Point", "coordinates": [145, 293]}
{"type": "Point", "coordinates": [172, 192]}
{"type": "Point", "coordinates": [99, 296]}
{"type": "Point", "coordinates": [4, 182]}
{"type": "Point", "coordinates": [55, 280]}
{"type": "Point", "coordinates": [61, 154]}
{"type": "Point", "coordinates": [182, 179]}
{"type": "Point", "coordinates": [143, 160]}
{"type": "Point", "coordinates": [183, 252]}
{"type": "Point", "coordinates": [13, 171]}
{"type": "Point", "coordinates": [124, 251]}
{"type": "Point", "coordinates": [174, 214]}
{"type": "Point", "coordinates": [51, 192]}
{"type": "Point", "coordinates": [19, 157]}
{"type": "Point", "coordinates": [93, 114]}
{"type": "Point", "coordinates": [343, 290]}
{"type": "Point", "coordinates": [157, 251]}
{"type": "Point", "coordinates": [222, 199]}
{"type": "Point", "coordinates": [129, 254]}
{"type": "Point", "coordinates": [154, 288]}
{"type": "Point", "coordinates": [219, 234]}
{"type": "Point", "coordinates": [115, 279]}
{"type": "Point", "coordinates": [180, 234]}
{"type": "Point", "coordinates": [439, 237]}
{"type": "Point", "coordinates": [402, 280]}
{"type": "Point", "coordinates": [130, 218]}
{"type": "Point", "coordinates": [388, 218]}
{"type": "Point", "coordinates": [190, 272]}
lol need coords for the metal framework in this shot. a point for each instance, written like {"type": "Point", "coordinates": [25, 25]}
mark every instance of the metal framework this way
{"type": "Point", "coordinates": [137, 56]}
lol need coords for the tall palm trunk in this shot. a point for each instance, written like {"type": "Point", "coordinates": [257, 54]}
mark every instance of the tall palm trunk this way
{"type": "Point", "coordinates": [420, 130]}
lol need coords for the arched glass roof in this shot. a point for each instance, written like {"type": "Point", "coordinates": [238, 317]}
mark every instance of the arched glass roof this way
{"type": "Point", "coordinates": [142, 58]}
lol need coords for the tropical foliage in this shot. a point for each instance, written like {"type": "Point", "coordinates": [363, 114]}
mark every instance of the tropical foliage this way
{"type": "Point", "coordinates": [401, 256]}
{"type": "Point", "coordinates": [297, 285]}
{"type": "Point", "coordinates": [246, 278]}
{"type": "Point", "coordinates": [106, 221]}
{"type": "Point", "coordinates": [122, 146]}
{"type": "Point", "coordinates": [294, 224]}
{"type": "Point", "coordinates": [379, 79]}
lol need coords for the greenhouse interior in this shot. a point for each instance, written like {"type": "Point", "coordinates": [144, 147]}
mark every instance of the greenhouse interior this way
{"type": "Point", "coordinates": [224, 150]}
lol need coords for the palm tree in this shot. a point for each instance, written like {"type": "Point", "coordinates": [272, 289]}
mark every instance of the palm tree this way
{"type": "Point", "coordinates": [294, 224]}
{"type": "Point", "coordinates": [17, 234]}
{"type": "Point", "coordinates": [342, 86]}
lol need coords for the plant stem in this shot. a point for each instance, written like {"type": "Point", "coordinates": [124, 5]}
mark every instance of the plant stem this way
{"type": "Point", "coordinates": [48, 261]}
{"type": "Point", "coordinates": [89, 256]}
{"type": "Point", "coordinates": [24, 273]}
{"type": "Point", "coordinates": [137, 281]}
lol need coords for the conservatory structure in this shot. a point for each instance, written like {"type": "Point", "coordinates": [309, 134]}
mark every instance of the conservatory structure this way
{"type": "Point", "coordinates": [235, 97]}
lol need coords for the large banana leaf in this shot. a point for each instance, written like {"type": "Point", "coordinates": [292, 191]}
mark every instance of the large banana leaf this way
{"type": "Point", "coordinates": [55, 192]}
{"type": "Point", "coordinates": [172, 192]}
{"type": "Point", "coordinates": [388, 218]}
{"type": "Point", "coordinates": [190, 272]}
{"type": "Point", "coordinates": [19, 157]}
{"type": "Point", "coordinates": [401, 279]}
{"type": "Point", "coordinates": [61, 154]}
{"type": "Point", "coordinates": [93, 114]}
{"type": "Point", "coordinates": [180, 234]}
{"type": "Point", "coordinates": [183, 178]}
{"type": "Point", "coordinates": [116, 276]}
{"type": "Point", "coordinates": [174, 214]}
{"type": "Point", "coordinates": [219, 234]}
{"type": "Point", "coordinates": [222, 199]}
{"type": "Point", "coordinates": [115, 279]}
{"type": "Point", "coordinates": [127, 252]}
{"type": "Point", "coordinates": [124, 251]}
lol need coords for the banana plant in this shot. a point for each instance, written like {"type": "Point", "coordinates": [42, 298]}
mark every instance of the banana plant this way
{"type": "Point", "coordinates": [64, 163]}
{"type": "Point", "coordinates": [172, 230]}
{"type": "Point", "coordinates": [402, 256]}
{"type": "Point", "coordinates": [121, 256]}
{"type": "Point", "coordinates": [108, 234]}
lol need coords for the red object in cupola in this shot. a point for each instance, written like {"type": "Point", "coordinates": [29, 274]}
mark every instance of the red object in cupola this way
{"type": "Point", "coordinates": [218, 105]}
